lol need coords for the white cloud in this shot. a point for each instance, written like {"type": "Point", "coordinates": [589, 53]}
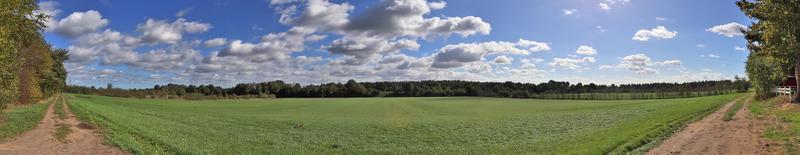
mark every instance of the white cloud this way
{"type": "Point", "coordinates": [642, 64]}
{"type": "Point", "coordinates": [183, 12]}
{"type": "Point", "coordinates": [604, 6]}
{"type": "Point", "coordinates": [659, 32]}
{"type": "Point", "coordinates": [160, 31]}
{"type": "Point", "coordinates": [569, 11]}
{"type": "Point", "coordinates": [503, 59]}
{"type": "Point", "coordinates": [79, 23]}
{"type": "Point", "coordinates": [701, 45]}
{"type": "Point", "coordinates": [215, 42]}
{"type": "Point", "coordinates": [737, 48]}
{"type": "Point", "coordinates": [572, 63]}
{"type": "Point", "coordinates": [729, 30]}
{"type": "Point", "coordinates": [586, 50]}
{"type": "Point", "coordinates": [437, 5]}
{"type": "Point", "coordinates": [273, 46]}
{"type": "Point", "coordinates": [661, 19]}
{"type": "Point", "coordinates": [710, 56]}
{"type": "Point", "coordinates": [457, 55]}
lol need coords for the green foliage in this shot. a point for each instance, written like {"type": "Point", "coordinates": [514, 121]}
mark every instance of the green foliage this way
{"type": "Point", "coordinates": [25, 58]}
{"type": "Point", "coordinates": [409, 125]}
{"type": "Point", "coordinates": [20, 119]}
{"type": "Point", "coordinates": [548, 90]}
{"type": "Point", "coordinates": [773, 40]}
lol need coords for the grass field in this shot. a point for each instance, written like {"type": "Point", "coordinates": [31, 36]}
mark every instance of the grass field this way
{"type": "Point", "coordinates": [454, 125]}
{"type": "Point", "coordinates": [21, 118]}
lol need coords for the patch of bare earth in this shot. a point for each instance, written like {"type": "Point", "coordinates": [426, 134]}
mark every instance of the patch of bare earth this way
{"type": "Point", "coordinates": [713, 135]}
{"type": "Point", "coordinates": [81, 139]}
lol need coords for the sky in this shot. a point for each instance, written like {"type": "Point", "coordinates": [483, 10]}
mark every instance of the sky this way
{"type": "Point", "coordinates": [138, 44]}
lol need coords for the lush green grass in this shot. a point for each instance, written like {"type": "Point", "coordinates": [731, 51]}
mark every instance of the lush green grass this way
{"type": "Point", "coordinates": [22, 118]}
{"type": "Point", "coordinates": [732, 111]}
{"type": "Point", "coordinates": [443, 125]}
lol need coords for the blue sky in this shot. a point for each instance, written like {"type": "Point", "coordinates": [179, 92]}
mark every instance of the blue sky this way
{"type": "Point", "coordinates": [138, 44]}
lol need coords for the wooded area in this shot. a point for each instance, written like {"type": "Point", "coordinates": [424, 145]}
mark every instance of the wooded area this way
{"type": "Point", "coordinates": [30, 68]}
{"type": "Point", "coordinates": [548, 90]}
{"type": "Point", "coordinates": [774, 43]}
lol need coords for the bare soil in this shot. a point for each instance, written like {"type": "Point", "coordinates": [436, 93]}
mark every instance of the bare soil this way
{"type": "Point", "coordinates": [41, 140]}
{"type": "Point", "coordinates": [713, 135]}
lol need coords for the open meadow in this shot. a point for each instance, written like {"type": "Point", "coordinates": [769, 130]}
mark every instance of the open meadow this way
{"type": "Point", "coordinates": [388, 125]}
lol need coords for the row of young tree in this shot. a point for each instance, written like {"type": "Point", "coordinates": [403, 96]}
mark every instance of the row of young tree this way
{"type": "Point", "coordinates": [30, 68]}
{"type": "Point", "coordinates": [550, 89]}
{"type": "Point", "coordinates": [774, 43]}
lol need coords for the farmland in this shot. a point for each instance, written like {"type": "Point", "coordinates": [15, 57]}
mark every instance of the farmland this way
{"type": "Point", "coordinates": [388, 125]}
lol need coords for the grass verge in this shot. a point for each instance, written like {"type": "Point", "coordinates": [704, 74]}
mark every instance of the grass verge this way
{"type": "Point", "coordinates": [21, 118]}
{"type": "Point", "coordinates": [783, 121]}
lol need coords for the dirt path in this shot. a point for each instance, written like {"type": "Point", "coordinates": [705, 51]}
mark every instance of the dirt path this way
{"type": "Point", "coordinates": [41, 140]}
{"type": "Point", "coordinates": [713, 135]}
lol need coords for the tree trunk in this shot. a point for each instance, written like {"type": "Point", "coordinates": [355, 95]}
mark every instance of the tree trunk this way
{"type": "Point", "coordinates": [797, 79]}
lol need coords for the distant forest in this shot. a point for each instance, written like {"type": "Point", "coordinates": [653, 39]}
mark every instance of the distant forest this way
{"type": "Point", "coordinates": [549, 90]}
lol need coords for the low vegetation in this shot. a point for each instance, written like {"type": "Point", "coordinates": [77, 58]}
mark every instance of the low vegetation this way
{"type": "Point", "coordinates": [783, 121]}
{"type": "Point", "coordinates": [58, 108]}
{"type": "Point", "coordinates": [388, 125]}
{"type": "Point", "coordinates": [62, 132]}
{"type": "Point", "coordinates": [21, 118]}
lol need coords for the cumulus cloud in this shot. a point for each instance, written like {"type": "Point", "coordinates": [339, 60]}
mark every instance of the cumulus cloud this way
{"type": "Point", "coordinates": [586, 50]}
{"type": "Point", "coordinates": [79, 23]}
{"type": "Point", "coordinates": [317, 14]}
{"type": "Point", "coordinates": [503, 59]}
{"type": "Point", "coordinates": [215, 42]}
{"type": "Point", "coordinates": [642, 64]}
{"type": "Point", "coordinates": [659, 32]}
{"type": "Point", "coordinates": [729, 30]}
{"type": "Point", "coordinates": [572, 63]}
{"type": "Point", "coordinates": [365, 48]}
{"type": "Point", "coordinates": [457, 55]}
{"type": "Point", "coordinates": [273, 46]}
{"type": "Point", "coordinates": [161, 31]}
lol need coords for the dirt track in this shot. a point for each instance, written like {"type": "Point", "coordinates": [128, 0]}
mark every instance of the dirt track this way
{"type": "Point", "coordinates": [713, 135]}
{"type": "Point", "coordinates": [41, 140]}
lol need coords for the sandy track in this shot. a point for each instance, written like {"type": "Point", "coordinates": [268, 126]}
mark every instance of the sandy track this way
{"type": "Point", "coordinates": [713, 135]}
{"type": "Point", "coordinates": [41, 140]}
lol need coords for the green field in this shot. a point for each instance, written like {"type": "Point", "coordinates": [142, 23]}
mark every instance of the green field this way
{"type": "Point", "coordinates": [452, 125]}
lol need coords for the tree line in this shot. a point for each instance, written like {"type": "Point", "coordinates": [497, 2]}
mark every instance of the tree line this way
{"type": "Point", "coordinates": [30, 68]}
{"type": "Point", "coordinates": [548, 90]}
{"type": "Point", "coordinates": [773, 40]}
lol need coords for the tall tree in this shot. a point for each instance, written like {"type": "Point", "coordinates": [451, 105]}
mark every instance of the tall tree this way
{"type": "Point", "coordinates": [19, 26]}
{"type": "Point", "coordinates": [775, 36]}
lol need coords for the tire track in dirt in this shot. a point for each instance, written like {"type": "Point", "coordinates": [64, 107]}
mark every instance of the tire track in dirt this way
{"type": "Point", "coordinates": [41, 140]}
{"type": "Point", "coordinates": [713, 135]}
